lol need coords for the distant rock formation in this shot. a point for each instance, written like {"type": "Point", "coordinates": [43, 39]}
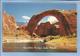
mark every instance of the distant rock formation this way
{"type": "Point", "coordinates": [9, 24]}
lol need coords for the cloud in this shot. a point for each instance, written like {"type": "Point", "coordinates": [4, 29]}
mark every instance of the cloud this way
{"type": "Point", "coordinates": [52, 19]}
{"type": "Point", "coordinates": [26, 17]}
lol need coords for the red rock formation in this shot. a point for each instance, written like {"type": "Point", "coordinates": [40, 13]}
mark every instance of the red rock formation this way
{"type": "Point", "coordinates": [23, 27]}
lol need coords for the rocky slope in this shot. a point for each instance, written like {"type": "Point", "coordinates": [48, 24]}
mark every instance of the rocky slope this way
{"type": "Point", "coordinates": [9, 24]}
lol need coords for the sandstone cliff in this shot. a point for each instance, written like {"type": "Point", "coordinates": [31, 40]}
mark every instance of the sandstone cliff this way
{"type": "Point", "coordinates": [9, 24]}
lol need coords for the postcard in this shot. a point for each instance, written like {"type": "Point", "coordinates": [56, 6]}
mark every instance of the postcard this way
{"type": "Point", "coordinates": [39, 27]}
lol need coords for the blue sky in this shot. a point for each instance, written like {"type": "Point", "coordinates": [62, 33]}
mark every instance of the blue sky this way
{"type": "Point", "coordinates": [19, 9]}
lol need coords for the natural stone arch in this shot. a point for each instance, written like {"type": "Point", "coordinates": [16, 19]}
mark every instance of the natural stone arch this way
{"type": "Point", "coordinates": [64, 26]}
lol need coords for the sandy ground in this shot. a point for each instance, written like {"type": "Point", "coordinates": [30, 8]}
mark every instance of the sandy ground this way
{"type": "Point", "coordinates": [63, 43]}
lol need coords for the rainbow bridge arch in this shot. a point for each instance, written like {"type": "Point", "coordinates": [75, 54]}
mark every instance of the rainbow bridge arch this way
{"type": "Point", "coordinates": [64, 26]}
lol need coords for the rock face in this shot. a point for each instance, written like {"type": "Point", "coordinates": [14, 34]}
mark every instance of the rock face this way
{"type": "Point", "coordinates": [67, 22]}
{"type": "Point", "coordinates": [9, 24]}
{"type": "Point", "coordinates": [45, 29]}
{"type": "Point", "coordinates": [71, 17]}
